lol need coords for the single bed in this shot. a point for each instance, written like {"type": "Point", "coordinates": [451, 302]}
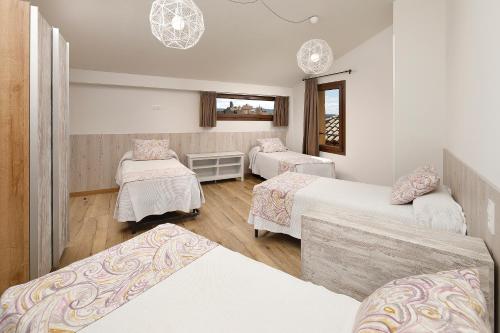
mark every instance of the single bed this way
{"type": "Point", "coordinates": [269, 165]}
{"type": "Point", "coordinates": [172, 280]}
{"type": "Point", "coordinates": [155, 187]}
{"type": "Point", "coordinates": [279, 203]}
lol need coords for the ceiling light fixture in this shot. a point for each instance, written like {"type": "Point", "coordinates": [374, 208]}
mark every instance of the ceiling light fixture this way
{"type": "Point", "coordinates": [312, 19]}
{"type": "Point", "coordinates": [176, 23]}
{"type": "Point", "coordinates": [315, 57]}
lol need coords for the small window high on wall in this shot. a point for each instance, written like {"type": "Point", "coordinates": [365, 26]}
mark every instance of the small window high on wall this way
{"type": "Point", "coordinates": [331, 117]}
{"type": "Point", "coordinates": [245, 107]}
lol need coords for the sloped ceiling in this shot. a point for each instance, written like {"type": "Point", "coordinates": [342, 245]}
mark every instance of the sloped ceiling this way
{"type": "Point", "coordinates": [242, 43]}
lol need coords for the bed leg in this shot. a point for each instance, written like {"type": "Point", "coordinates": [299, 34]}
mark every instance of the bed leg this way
{"type": "Point", "coordinates": [256, 233]}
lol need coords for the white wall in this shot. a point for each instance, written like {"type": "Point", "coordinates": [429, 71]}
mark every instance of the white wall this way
{"type": "Point", "coordinates": [473, 116]}
{"type": "Point", "coordinates": [419, 84]}
{"type": "Point", "coordinates": [113, 103]}
{"type": "Point", "coordinates": [447, 74]}
{"type": "Point", "coordinates": [368, 112]}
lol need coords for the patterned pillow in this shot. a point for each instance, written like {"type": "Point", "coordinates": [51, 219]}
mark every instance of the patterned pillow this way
{"type": "Point", "coordinates": [271, 145]}
{"type": "Point", "coordinates": [421, 181]}
{"type": "Point", "coordinates": [443, 302]}
{"type": "Point", "coordinates": [145, 150]}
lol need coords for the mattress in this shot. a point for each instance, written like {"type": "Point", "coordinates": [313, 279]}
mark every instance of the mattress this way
{"type": "Point", "coordinates": [268, 165]}
{"type": "Point", "coordinates": [159, 186]}
{"type": "Point", "coordinates": [324, 194]}
{"type": "Point", "coordinates": [224, 291]}
{"type": "Point", "coordinates": [203, 287]}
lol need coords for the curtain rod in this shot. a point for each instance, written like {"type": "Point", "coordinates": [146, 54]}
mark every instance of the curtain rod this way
{"type": "Point", "coordinates": [317, 77]}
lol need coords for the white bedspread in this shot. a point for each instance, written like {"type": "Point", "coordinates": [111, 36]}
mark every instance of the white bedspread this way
{"type": "Point", "coordinates": [267, 164]}
{"type": "Point", "coordinates": [325, 193]}
{"type": "Point", "coordinates": [224, 291]}
{"type": "Point", "coordinates": [156, 196]}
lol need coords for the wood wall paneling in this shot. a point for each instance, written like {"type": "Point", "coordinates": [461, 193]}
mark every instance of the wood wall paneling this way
{"type": "Point", "coordinates": [472, 192]}
{"type": "Point", "coordinates": [40, 145]}
{"type": "Point", "coordinates": [95, 157]}
{"type": "Point", "coordinates": [14, 142]}
{"type": "Point", "coordinates": [355, 253]}
{"type": "Point", "coordinates": [60, 145]}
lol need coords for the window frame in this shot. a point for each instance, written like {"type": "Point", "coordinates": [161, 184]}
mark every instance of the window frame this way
{"type": "Point", "coordinates": [245, 117]}
{"type": "Point", "coordinates": [340, 149]}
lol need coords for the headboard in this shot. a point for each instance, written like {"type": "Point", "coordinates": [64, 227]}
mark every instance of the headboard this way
{"type": "Point", "coordinates": [472, 192]}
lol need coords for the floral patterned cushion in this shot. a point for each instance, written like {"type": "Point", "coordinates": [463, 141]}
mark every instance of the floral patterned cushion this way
{"type": "Point", "coordinates": [145, 150]}
{"type": "Point", "coordinates": [271, 145]}
{"type": "Point", "coordinates": [443, 302]}
{"type": "Point", "coordinates": [421, 181]}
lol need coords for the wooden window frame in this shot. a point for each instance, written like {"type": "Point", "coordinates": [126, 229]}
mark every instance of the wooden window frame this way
{"type": "Point", "coordinates": [340, 149]}
{"type": "Point", "coordinates": [246, 117]}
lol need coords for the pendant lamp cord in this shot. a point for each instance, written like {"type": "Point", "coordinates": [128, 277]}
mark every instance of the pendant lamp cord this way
{"type": "Point", "coordinates": [272, 11]}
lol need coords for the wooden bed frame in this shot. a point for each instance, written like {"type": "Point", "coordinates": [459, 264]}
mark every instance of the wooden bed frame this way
{"type": "Point", "coordinates": [353, 253]}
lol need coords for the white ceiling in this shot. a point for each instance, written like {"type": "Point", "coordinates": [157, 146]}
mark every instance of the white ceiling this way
{"type": "Point", "coordinates": [242, 43]}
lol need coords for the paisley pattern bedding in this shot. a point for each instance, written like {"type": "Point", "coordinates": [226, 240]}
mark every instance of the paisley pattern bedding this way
{"type": "Point", "coordinates": [290, 164]}
{"type": "Point", "coordinates": [273, 199]}
{"type": "Point", "coordinates": [421, 181]}
{"type": "Point", "coordinates": [129, 177]}
{"type": "Point", "coordinates": [145, 150]}
{"type": "Point", "coordinates": [271, 145]}
{"type": "Point", "coordinates": [74, 297]}
{"type": "Point", "coordinates": [443, 302]}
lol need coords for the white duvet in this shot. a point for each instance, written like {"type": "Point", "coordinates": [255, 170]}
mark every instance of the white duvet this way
{"type": "Point", "coordinates": [224, 291]}
{"type": "Point", "coordinates": [267, 165]}
{"type": "Point", "coordinates": [139, 199]}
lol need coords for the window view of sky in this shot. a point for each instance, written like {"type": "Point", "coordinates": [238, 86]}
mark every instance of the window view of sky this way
{"type": "Point", "coordinates": [223, 103]}
{"type": "Point", "coordinates": [332, 102]}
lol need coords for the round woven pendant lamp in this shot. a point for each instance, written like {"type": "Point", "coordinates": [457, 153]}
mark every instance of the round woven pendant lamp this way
{"type": "Point", "coordinates": [176, 23]}
{"type": "Point", "coordinates": [315, 57]}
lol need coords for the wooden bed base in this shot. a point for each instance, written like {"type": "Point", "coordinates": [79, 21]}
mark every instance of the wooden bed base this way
{"type": "Point", "coordinates": [353, 253]}
{"type": "Point", "coordinates": [155, 220]}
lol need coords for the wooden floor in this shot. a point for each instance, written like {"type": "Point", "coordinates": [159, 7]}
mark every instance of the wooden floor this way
{"type": "Point", "coordinates": [222, 219]}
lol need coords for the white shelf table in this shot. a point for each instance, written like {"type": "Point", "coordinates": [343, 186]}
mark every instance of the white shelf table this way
{"type": "Point", "coordinates": [217, 166]}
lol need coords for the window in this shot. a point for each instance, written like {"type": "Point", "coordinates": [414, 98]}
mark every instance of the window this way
{"type": "Point", "coordinates": [331, 117]}
{"type": "Point", "coordinates": [243, 107]}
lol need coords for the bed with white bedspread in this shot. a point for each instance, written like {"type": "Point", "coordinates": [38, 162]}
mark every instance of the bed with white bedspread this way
{"type": "Point", "coordinates": [269, 165]}
{"type": "Point", "coordinates": [155, 187]}
{"type": "Point", "coordinates": [172, 280]}
{"type": "Point", "coordinates": [279, 203]}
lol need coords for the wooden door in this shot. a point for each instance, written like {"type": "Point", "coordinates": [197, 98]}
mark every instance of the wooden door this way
{"type": "Point", "coordinates": [60, 145]}
{"type": "Point", "coordinates": [14, 142]}
{"type": "Point", "coordinates": [40, 145]}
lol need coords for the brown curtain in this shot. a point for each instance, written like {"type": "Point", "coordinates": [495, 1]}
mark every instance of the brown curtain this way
{"type": "Point", "coordinates": [208, 110]}
{"type": "Point", "coordinates": [280, 111]}
{"type": "Point", "coordinates": [311, 144]}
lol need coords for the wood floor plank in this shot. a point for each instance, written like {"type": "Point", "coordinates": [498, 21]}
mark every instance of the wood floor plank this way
{"type": "Point", "coordinates": [78, 211]}
{"type": "Point", "coordinates": [99, 242]}
{"type": "Point", "coordinates": [223, 219]}
{"type": "Point", "coordinates": [81, 244]}
{"type": "Point", "coordinates": [229, 205]}
{"type": "Point", "coordinates": [101, 205]}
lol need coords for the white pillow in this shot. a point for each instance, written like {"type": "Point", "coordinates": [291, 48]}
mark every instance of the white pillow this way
{"type": "Point", "coordinates": [438, 210]}
{"type": "Point", "coordinates": [271, 145]}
